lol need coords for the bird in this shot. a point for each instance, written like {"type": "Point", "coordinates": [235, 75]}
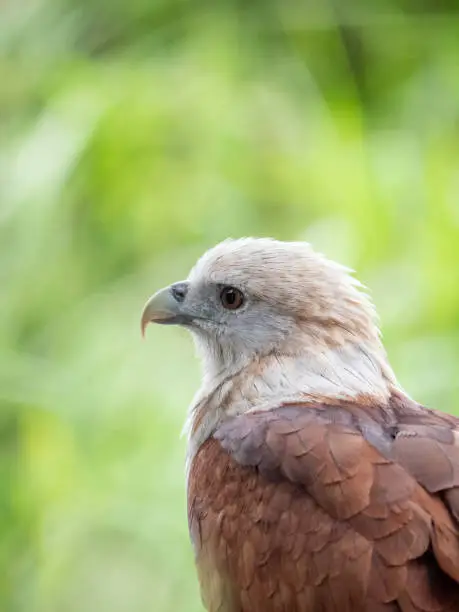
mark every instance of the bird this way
{"type": "Point", "coordinates": [315, 483]}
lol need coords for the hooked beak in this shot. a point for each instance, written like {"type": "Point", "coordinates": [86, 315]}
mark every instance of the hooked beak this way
{"type": "Point", "coordinates": [166, 307]}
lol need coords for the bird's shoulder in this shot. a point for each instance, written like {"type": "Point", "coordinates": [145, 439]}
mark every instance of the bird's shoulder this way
{"type": "Point", "coordinates": [316, 442]}
{"type": "Point", "coordinates": [374, 488]}
{"type": "Point", "coordinates": [288, 439]}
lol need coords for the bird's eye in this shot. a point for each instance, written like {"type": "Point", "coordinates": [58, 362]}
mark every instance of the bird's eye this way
{"type": "Point", "coordinates": [231, 298]}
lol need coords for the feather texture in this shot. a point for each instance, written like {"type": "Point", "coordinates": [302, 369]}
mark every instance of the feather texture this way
{"type": "Point", "coordinates": [328, 508]}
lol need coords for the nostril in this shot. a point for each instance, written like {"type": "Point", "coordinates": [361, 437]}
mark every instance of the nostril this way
{"type": "Point", "coordinates": [179, 291]}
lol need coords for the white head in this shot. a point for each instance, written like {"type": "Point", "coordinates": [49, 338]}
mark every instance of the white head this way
{"type": "Point", "coordinates": [259, 306]}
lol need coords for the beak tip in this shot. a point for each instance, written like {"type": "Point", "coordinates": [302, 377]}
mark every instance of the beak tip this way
{"type": "Point", "coordinates": [143, 327]}
{"type": "Point", "coordinates": [162, 307]}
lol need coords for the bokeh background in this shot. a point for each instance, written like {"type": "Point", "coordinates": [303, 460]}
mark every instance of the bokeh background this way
{"type": "Point", "coordinates": [135, 134]}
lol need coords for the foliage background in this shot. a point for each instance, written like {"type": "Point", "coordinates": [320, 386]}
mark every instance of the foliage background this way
{"type": "Point", "coordinates": [134, 135]}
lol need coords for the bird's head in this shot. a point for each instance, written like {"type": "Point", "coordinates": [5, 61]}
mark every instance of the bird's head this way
{"type": "Point", "coordinates": [248, 298]}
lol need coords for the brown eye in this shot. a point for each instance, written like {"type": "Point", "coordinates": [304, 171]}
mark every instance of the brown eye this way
{"type": "Point", "coordinates": [231, 298]}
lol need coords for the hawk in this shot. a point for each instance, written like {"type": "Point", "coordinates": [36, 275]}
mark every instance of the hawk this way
{"type": "Point", "coordinates": [314, 483]}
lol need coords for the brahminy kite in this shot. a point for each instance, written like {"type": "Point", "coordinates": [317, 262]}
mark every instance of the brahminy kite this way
{"type": "Point", "coordinates": [314, 483]}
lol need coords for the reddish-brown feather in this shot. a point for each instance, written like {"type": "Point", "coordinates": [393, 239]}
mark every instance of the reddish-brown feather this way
{"type": "Point", "coordinates": [314, 508]}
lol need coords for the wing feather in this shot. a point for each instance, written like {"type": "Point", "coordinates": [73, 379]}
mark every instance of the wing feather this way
{"type": "Point", "coordinates": [317, 509]}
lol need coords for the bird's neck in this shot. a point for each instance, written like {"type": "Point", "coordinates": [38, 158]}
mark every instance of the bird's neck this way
{"type": "Point", "coordinates": [347, 372]}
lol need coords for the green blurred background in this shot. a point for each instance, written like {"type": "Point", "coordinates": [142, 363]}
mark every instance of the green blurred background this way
{"type": "Point", "coordinates": [134, 135]}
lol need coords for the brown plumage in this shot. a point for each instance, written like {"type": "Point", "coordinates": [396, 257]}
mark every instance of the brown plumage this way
{"type": "Point", "coordinates": [305, 495]}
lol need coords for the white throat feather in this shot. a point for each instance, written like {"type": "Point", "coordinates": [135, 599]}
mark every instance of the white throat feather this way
{"type": "Point", "coordinates": [350, 371]}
